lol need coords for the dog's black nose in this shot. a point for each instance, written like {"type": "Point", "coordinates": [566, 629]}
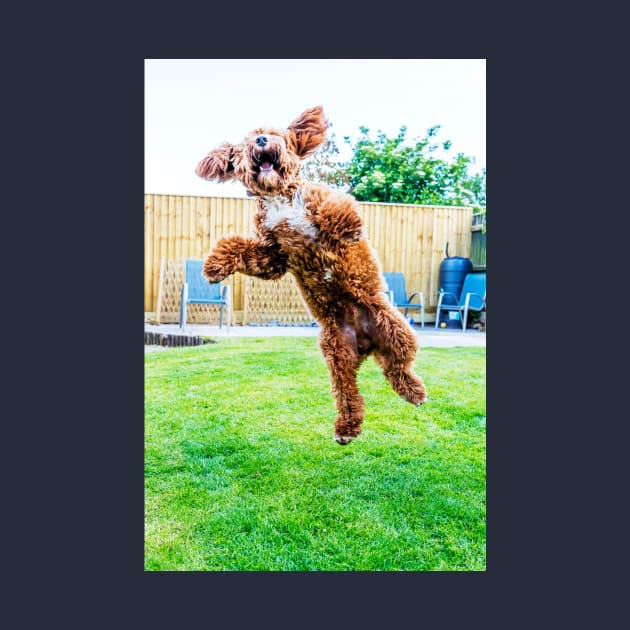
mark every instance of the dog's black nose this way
{"type": "Point", "coordinates": [261, 141]}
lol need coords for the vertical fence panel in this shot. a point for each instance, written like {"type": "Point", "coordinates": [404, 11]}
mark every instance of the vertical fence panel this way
{"type": "Point", "coordinates": [163, 227]}
{"type": "Point", "coordinates": [436, 252]}
{"type": "Point", "coordinates": [414, 262]}
{"type": "Point", "coordinates": [406, 238]}
{"type": "Point", "coordinates": [184, 237]}
{"type": "Point", "coordinates": [207, 232]}
{"type": "Point", "coordinates": [427, 253]}
{"type": "Point", "coordinates": [148, 251]}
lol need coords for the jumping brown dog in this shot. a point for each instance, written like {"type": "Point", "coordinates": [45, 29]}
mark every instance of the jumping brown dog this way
{"type": "Point", "coordinates": [316, 234]}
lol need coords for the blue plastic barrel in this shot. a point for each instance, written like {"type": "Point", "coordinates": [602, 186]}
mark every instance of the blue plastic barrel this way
{"type": "Point", "coordinates": [453, 270]}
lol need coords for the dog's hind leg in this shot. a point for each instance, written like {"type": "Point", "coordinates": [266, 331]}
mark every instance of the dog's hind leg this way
{"type": "Point", "coordinates": [395, 351]}
{"type": "Point", "coordinates": [339, 347]}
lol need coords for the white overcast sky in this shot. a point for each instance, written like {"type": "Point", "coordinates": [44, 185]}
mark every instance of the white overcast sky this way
{"type": "Point", "coordinates": [193, 105]}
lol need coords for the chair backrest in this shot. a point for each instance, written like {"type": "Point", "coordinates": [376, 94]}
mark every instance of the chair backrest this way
{"type": "Point", "coordinates": [474, 283]}
{"type": "Point", "coordinates": [396, 284]}
{"type": "Point", "coordinates": [198, 287]}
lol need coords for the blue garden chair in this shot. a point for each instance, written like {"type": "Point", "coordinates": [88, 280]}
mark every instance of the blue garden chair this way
{"type": "Point", "coordinates": [472, 298]}
{"type": "Point", "coordinates": [197, 290]}
{"type": "Point", "coordinates": [397, 290]}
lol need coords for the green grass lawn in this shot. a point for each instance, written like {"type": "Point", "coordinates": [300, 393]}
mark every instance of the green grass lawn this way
{"type": "Point", "coordinates": [242, 473]}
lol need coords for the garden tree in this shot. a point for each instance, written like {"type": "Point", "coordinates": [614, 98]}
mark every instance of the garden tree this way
{"type": "Point", "coordinates": [390, 170]}
{"type": "Point", "coordinates": [393, 171]}
{"type": "Point", "coordinates": [323, 166]}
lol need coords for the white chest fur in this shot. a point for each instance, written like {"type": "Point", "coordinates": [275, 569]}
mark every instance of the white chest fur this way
{"type": "Point", "coordinates": [278, 208]}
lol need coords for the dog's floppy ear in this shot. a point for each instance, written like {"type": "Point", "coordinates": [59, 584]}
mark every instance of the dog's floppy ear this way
{"type": "Point", "coordinates": [308, 131]}
{"type": "Point", "coordinates": [218, 164]}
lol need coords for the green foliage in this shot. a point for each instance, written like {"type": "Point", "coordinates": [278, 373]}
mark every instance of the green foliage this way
{"type": "Point", "coordinates": [391, 170]}
{"type": "Point", "coordinates": [242, 473]}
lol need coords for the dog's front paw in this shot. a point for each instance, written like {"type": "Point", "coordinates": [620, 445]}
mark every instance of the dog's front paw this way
{"type": "Point", "coordinates": [213, 278]}
{"type": "Point", "coordinates": [214, 271]}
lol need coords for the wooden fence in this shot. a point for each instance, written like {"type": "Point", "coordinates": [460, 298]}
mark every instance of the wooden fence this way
{"type": "Point", "coordinates": [407, 238]}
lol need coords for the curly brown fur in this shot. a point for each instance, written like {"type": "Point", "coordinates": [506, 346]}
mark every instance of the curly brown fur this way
{"type": "Point", "coordinates": [316, 234]}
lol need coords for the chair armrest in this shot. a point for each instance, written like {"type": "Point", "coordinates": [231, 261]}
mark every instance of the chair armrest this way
{"type": "Point", "coordinates": [441, 294]}
{"type": "Point", "coordinates": [420, 295]}
{"type": "Point", "coordinates": [468, 295]}
{"type": "Point", "coordinates": [184, 293]}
